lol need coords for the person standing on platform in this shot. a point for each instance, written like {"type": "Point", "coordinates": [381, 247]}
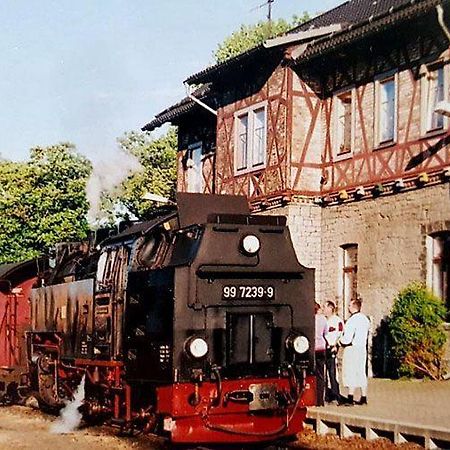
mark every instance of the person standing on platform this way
{"type": "Point", "coordinates": [354, 341]}
{"type": "Point", "coordinates": [320, 352]}
{"type": "Point", "coordinates": [334, 332]}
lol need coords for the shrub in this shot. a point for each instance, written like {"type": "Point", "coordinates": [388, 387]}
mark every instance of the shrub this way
{"type": "Point", "coordinates": [416, 328]}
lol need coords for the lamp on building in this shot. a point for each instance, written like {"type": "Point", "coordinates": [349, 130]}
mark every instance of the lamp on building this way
{"type": "Point", "coordinates": [318, 200]}
{"type": "Point", "coordinates": [343, 195]}
{"type": "Point", "coordinates": [378, 189]}
{"type": "Point", "coordinates": [326, 199]}
{"type": "Point", "coordinates": [360, 192]}
{"type": "Point", "coordinates": [399, 184]}
{"type": "Point", "coordinates": [423, 178]}
{"type": "Point", "coordinates": [446, 172]}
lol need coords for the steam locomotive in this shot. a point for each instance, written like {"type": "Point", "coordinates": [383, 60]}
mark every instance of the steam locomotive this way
{"type": "Point", "coordinates": [197, 325]}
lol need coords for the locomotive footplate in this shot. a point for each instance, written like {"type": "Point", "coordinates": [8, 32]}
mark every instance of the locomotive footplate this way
{"type": "Point", "coordinates": [264, 397]}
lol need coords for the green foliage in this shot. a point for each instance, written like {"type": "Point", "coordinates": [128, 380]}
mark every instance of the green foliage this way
{"type": "Point", "coordinates": [249, 36]}
{"type": "Point", "coordinates": [43, 201]}
{"type": "Point", "coordinates": [158, 174]}
{"type": "Point", "coordinates": [416, 327]}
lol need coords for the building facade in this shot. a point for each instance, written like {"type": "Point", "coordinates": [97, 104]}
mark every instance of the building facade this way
{"type": "Point", "coordinates": [335, 126]}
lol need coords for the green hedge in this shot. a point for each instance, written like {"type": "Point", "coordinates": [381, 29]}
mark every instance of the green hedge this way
{"type": "Point", "coordinates": [416, 327]}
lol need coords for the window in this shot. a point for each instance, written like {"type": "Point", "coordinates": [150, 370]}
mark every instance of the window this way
{"type": "Point", "coordinates": [250, 139]}
{"type": "Point", "coordinates": [343, 123]}
{"type": "Point", "coordinates": [438, 260]}
{"type": "Point", "coordinates": [194, 168]}
{"type": "Point", "coordinates": [349, 276]}
{"type": "Point", "coordinates": [386, 110]}
{"type": "Point", "coordinates": [433, 89]}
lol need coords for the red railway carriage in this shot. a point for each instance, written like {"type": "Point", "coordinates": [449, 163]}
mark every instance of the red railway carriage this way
{"type": "Point", "coordinates": [16, 281]}
{"type": "Point", "coordinates": [196, 324]}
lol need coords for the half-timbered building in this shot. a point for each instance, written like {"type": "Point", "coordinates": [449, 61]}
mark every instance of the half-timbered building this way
{"type": "Point", "coordinates": [338, 125]}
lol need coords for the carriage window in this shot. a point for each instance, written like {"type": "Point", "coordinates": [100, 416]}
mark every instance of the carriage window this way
{"type": "Point", "coordinates": [438, 261]}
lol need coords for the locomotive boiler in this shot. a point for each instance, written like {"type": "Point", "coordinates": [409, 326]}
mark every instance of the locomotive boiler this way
{"type": "Point", "coordinates": [197, 324]}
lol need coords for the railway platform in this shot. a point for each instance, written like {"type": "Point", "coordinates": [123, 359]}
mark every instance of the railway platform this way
{"type": "Point", "coordinates": [400, 410]}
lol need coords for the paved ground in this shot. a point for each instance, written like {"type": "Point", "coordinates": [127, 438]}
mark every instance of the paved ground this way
{"type": "Point", "coordinates": [421, 403]}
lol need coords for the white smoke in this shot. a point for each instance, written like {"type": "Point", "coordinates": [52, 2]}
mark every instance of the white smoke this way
{"type": "Point", "coordinates": [107, 175]}
{"type": "Point", "coordinates": [70, 418]}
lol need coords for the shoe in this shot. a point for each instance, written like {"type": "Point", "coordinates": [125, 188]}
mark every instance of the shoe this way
{"type": "Point", "coordinates": [363, 400]}
{"type": "Point", "coordinates": [346, 401]}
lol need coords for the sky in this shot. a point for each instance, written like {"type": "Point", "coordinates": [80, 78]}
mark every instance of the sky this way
{"type": "Point", "coordinates": [87, 71]}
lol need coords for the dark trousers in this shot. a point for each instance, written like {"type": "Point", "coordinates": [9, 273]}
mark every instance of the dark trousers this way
{"type": "Point", "coordinates": [320, 377]}
{"type": "Point", "coordinates": [333, 393]}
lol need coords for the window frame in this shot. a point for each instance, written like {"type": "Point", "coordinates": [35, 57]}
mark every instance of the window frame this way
{"type": "Point", "coordinates": [379, 81]}
{"type": "Point", "coordinates": [337, 102]}
{"type": "Point", "coordinates": [251, 113]}
{"type": "Point", "coordinates": [425, 117]}
{"type": "Point", "coordinates": [197, 170]}
{"type": "Point", "coordinates": [435, 263]}
{"type": "Point", "coordinates": [347, 272]}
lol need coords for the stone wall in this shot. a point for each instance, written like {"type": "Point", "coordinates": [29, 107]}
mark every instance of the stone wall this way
{"type": "Point", "coordinates": [391, 234]}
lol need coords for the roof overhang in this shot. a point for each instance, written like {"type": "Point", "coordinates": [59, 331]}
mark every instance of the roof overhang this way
{"type": "Point", "coordinates": [373, 25]}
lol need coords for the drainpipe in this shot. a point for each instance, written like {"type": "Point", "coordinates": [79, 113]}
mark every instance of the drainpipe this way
{"type": "Point", "coordinates": [196, 100]}
{"type": "Point", "coordinates": [440, 14]}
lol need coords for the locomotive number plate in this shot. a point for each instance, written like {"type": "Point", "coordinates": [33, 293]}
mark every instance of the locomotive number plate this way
{"type": "Point", "coordinates": [248, 292]}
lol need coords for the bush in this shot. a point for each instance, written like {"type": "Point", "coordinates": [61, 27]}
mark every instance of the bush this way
{"type": "Point", "coordinates": [416, 328]}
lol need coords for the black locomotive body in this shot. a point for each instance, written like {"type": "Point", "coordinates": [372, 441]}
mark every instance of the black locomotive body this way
{"type": "Point", "coordinates": [198, 324]}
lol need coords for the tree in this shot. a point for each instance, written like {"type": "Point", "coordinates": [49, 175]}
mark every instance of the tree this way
{"type": "Point", "coordinates": [416, 326]}
{"type": "Point", "coordinates": [43, 201]}
{"type": "Point", "coordinates": [249, 36]}
{"type": "Point", "coordinates": [158, 174]}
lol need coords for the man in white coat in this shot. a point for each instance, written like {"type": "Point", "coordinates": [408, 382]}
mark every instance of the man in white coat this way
{"type": "Point", "coordinates": [354, 341]}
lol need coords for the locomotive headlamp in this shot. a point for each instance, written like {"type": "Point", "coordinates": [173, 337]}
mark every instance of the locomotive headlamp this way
{"type": "Point", "coordinates": [300, 344]}
{"type": "Point", "coordinates": [197, 347]}
{"type": "Point", "coordinates": [251, 244]}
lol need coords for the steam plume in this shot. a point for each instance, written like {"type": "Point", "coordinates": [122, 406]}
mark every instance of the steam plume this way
{"type": "Point", "coordinates": [70, 418]}
{"type": "Point", "coordinates": [108, 175]}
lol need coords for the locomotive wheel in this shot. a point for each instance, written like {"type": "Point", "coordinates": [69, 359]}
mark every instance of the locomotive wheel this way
{"type": "Point", "coordinates": [47, 397]}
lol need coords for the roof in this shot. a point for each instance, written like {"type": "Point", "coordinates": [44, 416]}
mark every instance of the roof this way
{"type": "Point", "coordinates": [14, 273]}
{"type": "Point", "coordinates": [353, 12]}
{"type": "Point", "coordinates": [348, 14]}
{"type": "Point", "coordinates": [356, 17]}
{"type": "Point", "coordinates": [385, 14]}
{"type": "Point", "coordinates": [182, 107]}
